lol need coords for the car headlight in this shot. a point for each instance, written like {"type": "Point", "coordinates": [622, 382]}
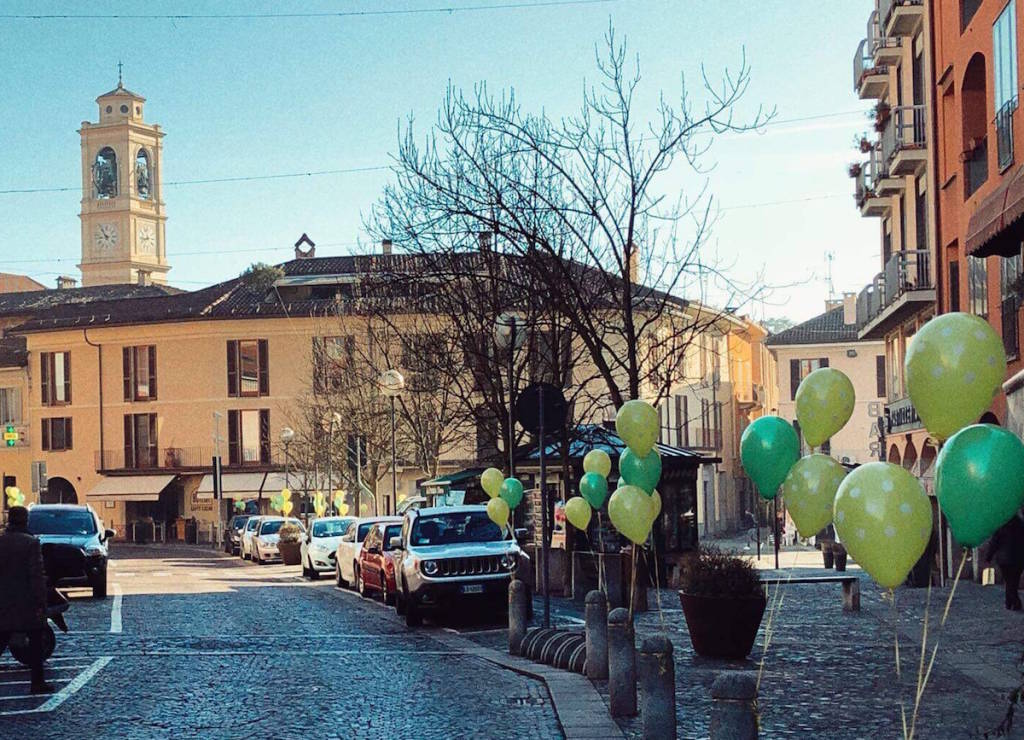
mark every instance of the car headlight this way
{"type": "Point", "coordinates": [508, 562]}
{"type": "Point", "coordinates": [430, 567]}
{"type": "Point", "coordinates": [93, 551]}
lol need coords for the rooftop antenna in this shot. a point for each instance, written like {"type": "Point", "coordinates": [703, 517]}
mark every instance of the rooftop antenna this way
{"type": "Point", "coordinates": [829, 259]}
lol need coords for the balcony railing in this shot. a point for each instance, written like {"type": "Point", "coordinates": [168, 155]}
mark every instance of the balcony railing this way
{"type": "Point", "coordinates": [975, 168]}
{"type": "Point", "coordinates": [175, 458]}
{"type": "Point", "coordinates": [905, 129]}
{"type": "Point", "coordinates": [870, 300]}
{"type": "Point", "coordinates": [877, 41]}
{"type": "Point", "coordinates": [886, 8]}
{"type": "Point", "coordinates": [905, 271]}
{"type": "Point", "coordinates": [864, 63]}
{"type": "Point", "coordinates": [1004, 133]}
{"type": "Point", "coordinates": [872, 170]}
{"type": "Point", "coordinates": [1011, 334]}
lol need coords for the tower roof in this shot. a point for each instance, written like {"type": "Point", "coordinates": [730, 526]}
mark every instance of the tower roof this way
{"type": "Point", "coordinates": [122, 92]}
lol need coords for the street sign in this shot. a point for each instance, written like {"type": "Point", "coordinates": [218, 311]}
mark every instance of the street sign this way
{"type": "Point", "coordinates": [528, 407]}
{"type": "Point", "coordinates": [10, 435]}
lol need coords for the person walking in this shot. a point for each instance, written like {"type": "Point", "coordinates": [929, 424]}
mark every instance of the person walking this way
{"type": "Point", "coordinates": [23, 586]}
{"type": "Point", "coordinates": [1007, 549]}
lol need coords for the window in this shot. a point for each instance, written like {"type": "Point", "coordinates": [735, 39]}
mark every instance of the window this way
{"type": "Point", "coordinates": [551, 357]}
{"type": "Point", "coordinates": [880, 376]}
{"type": "Point", "coordinates": [332, 356]}
{"type": "Point", "coordinates": [419, 355]}
{"type": "Point", "coordinates": [248, 368]}
{"type": "Point", "coordinates": [1009, 289]}
{"type": "Point", "coordinates": [977, 286]}
{"type": "Point", "coordinates": [55, 376]}
{"type": "Point", "coordinates": [140, 447]}
{"type": "Point", "coordinates": [104, 174]}
{"type": "Point", "coordinates": [954, 285]}
{"type": "Point", "coordinates": [142, 179]}
{"type": "Point", "coordinates": [56, 434]}
{"type": "Point", "coordinates": [682, 422]}
{"type": "Point", "coordinates": [1004, 63]}
{"type": "Point", "coordinates": [249, 437]}
{"type": "Point", "coordinates": [139, 365]}
{"type": "Point", "coordinates": [967, 10]}
{"type": "Point", "coordinates": [10, 405]}
{"type": "Point", "coordinates": [921, 224]}
{"type": "Point", "coordinates": [800, 369]}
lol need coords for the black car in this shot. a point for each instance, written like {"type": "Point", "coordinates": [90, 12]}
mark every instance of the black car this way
{"type": "Point", "coordinates": [75, 527]}
{"type": "Point", "coordinates": [233, 533]}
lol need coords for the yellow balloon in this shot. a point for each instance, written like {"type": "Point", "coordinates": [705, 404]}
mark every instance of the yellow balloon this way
{"type": "Point", "coordinates": [577, 512]}
{"type": "Point", "coordinates": [954, 367]}
{"type": "Point", "coordinates": [597, 461]}
{"type": "Point", "coordinates": [629, 508]}
{"type": "Point", "coordinates": [342, 508]}
{"type": "Point", "coordinates": [286, 507]}
{"type": "Point", "coordinates": [810, 492]}
{"type": "Point", "coordinates": [339, 499]}
{"type": "Point", "coordinates": [637, 424]}
{"type": "Point", "coordinates": [491, 480]}
{"type": "Point", "coordinates": [498, 511]}
{"type": "Point", "coordinates": [655, 504]}
{"type": "Point", "coordinates": [286, 493]}
{"type": "Point", "coordinates": [824, 403]}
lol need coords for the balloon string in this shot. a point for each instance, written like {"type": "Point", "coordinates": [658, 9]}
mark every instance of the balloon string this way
{"type": "Point", "coordinates": [899, 672]}
{"type": "Point", "coordinates": [923, 680]}
{"type": "Point", "coordinates": [775, 605]}
{"type": "Point", "coordinates": [657, 589]}
{"type": "Point", "coordinates": [632, 586]}
{"type": "Point", "coordinates": [602, 582]}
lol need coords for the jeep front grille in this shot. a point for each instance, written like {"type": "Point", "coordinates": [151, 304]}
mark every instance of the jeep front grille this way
{"type": "Point", "coordinates": [476, 566]}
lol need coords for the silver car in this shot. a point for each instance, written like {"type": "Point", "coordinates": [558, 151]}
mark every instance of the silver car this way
{"type": "Point", "coordinates": [265, 538]}
{"type": "Point", "coordinates": [320, 544]}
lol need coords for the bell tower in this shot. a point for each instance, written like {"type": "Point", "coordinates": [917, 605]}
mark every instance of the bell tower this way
{"type": "Point", "coordinates": [122, 195]}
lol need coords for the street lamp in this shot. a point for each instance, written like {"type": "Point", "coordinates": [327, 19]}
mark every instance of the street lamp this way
{"type": "Point", "coordinates": [509, 335]}
{"type": "Point", "coordinates": [391, 386]}
{"type": "Point", "coordinates": [286, 436]}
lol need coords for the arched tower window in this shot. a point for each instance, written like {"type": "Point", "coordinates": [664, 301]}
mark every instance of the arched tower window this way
{"type": "Point", "coordinates": [104, 174]}
{"type": "Point", "coordinates": [143, 180]}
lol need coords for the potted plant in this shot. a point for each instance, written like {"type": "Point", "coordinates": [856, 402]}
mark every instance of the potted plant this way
{"type": "Point", "coordinates": [839, 557]}
{"type": "Point", "coordinates": [854, 169]}
{"type": "Point", "coordinates": [289, 543]}
{"type": "Point", "coordinates": [865, 145]}
{"type": "Point", "coordinates": [723, 602]}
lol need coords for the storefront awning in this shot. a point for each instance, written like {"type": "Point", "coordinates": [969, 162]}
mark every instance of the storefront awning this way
{"type": "Point", "coordinates": [129, 488]}
{"type": "Point", "coordinates": [996, 227]}
{"type": "Point", "coordinates": [235, 485]}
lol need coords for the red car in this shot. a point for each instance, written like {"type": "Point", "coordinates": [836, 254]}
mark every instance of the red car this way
{"type": "Point", "coordinates": [375, 570]}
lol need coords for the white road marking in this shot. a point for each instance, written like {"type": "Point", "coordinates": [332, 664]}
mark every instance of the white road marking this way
{"type": "Point", "coordinates": [115, 608]}
{"type": "Point", "coordinates": [73, 688]}
{"type": "Point", "coordinates": [26, 683]}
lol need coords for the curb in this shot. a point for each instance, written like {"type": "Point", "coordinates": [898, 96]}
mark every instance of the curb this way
{"type": "Point", "coordinates": [580, 710]}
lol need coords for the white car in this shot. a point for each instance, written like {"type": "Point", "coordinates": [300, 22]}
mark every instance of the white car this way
{"type": "Point", "coordinates": [245, 545]}
{"type": "Point", "coordinates": [351, 543]}
{"type": "Point", "coordinates": [264, 539]}
{"type": "Point", "coordinates": [319, 546]}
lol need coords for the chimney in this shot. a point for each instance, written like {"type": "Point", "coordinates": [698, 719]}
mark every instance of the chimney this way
{"type": "Point", "coordinates": [831, 304]}
{"type": "Point", "coordinates": [849, 308]}
{"type": "Point", "coordinates": [485, 240]}
{"type": "Point", "coordinates": [301, 254]}
{"type": "Point", "coordinates": [64, 282]}
{"type": "Point", "coordinates": [144, 277]}
{"type": "Point", "coordinates": [385, 246]}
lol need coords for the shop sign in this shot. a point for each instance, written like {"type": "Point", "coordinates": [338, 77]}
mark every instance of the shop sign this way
{"type": "Point", "coordinates": [901, 416]}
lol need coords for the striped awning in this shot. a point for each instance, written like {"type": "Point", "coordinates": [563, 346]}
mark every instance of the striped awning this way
{"type": "Point", "coordinates": [129, 488]}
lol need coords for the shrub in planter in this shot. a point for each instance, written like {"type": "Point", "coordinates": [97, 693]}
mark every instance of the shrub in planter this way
{"type": "Point", "coordinates": [854, 169]}
{"type": "Point", "coordinates": [288, 543]}
{"type": "Point", "coordinates": [723, 602]}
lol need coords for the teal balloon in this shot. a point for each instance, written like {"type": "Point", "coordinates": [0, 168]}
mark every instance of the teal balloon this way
{"type": "Point", "coordinates": [642, 472]}
{"type": "Point", "coordinates": [979, 481]}
{"type": "Point", "coordinates": [594, 488]}
{"type": "Point", "coordinates": [511, 492]}
{"type": "Point", "coordinates": [769, 447]}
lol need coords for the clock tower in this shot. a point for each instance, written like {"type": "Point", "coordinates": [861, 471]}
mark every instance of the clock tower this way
{"type": "Point", "coordinates": [122, 195]}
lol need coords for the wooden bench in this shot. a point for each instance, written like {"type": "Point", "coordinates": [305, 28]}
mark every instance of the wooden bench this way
{"type": "Point", "coordinates": [851, 587]}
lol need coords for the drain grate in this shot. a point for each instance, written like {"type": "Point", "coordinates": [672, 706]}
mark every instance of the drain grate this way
{"type": "Point", "coordinates": [525, 701]}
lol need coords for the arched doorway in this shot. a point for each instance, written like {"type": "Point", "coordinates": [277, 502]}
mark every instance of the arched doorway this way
{"type": "Point", "coordinates": [58, 491]}
{"type": "Point", "coordinates": [894, 455]}
{"type": "Point", "coordinates": [928, 453]}
{"type": "Point", "coordinates": [989, 418]}
{"type": "Point", "coordinates": [909, 455]}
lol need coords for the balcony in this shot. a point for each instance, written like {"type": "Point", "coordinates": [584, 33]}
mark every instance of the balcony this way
{"type": "Point", "coordinates": [900, 17]}
{"type": "Point", "coordinates": [869, 79]}
{"type": "Point", "coordinates": [905, 287]}
{"type": "Point", "coordinates": [179, 459]}
{"type": "Point", "coordinates": [866, 195]}
{"type": "Point", "coordinates": [903, 141]}
{"type": "Point", "coordinates": [884, 49]}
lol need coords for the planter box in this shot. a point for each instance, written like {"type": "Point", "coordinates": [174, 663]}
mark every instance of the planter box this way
{"type": "Point", "coordinates": [291, 552]}
{"type": "Point", "coordinates": [722, 626]}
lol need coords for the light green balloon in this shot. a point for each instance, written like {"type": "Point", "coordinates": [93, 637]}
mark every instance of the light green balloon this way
{"type": "Point", "coordinates": [491, 480]}
{"type": "Point", "coordinates": [884, 518]}
{"type": "Point", "coordinates": [810, 492]}
{"type": "Point", "coordinates": [597, 461]}
{"type": "Point", "coordinates": [638, 425]}
{"type": "Point", "coordinates": [768, 449]}
{"type": "Point", "coordinates": [629, 508]}
{"type": "Point", "coordinates": [954, 368]}
{"type": "Point", "coordinates": [824, 403]}
{"type": "Point", "coordinates": [577, 513]}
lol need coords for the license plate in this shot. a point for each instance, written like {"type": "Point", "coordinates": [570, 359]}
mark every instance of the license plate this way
{"type": "Point", "coordinates": [473, 588]}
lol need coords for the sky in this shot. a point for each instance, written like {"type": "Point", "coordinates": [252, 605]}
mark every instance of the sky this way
{"type": "Point", "coordinates": [252, 97]}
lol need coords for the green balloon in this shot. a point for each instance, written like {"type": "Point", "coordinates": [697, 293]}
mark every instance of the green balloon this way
{"type": "Point", "coordinates": [810, 491]}
{"type": "Point", "coordinates": [643, 472]}
{"type": "Point", "coordinates": [638, 425]}
{"type": "Point", "coordinates": [884, 519]}
{"type": "Point", "coordinates": [768, 449]}
{"type": "Point", "coordinates": [511, 492]}
{"type": "Point", "coordinates": [594, 488]}
{"type": "Point", "coordinates": [824, 403]}
{"type": "Point", "coordinates": [979, 481]}
{"type": "Point", "coordinates": [954, 368]}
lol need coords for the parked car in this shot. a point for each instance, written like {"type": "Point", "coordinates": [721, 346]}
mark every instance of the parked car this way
{"type": "Point", "coordinates": [265, 536]}
{"type": "Point", "coordinates": [245, 545]}
{"type": "Point", "coordinates": [320, 545]}
{"type": "Point", "coordinates": [375, 571]}
{"type": "Point", "coordinates": [449, 555]}
{"type": "Point", "coordinates": [81, 527]}
{"type": "Point", "coordinates": [233, 533]}
{"type": "Point", "coordinates": [349, 546]}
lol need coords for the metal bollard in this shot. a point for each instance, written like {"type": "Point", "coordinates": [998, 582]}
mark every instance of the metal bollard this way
{"type": "Point", "coordinates": [621, 664]}
{"type": "Point", "coordinates": [517, 610]}
{"type": "Point", "coordinates": [734, 706]}
{"type": "Point", "coordinates": [657, 689]}
{"type": "Point", "coordinates": [597, 635]}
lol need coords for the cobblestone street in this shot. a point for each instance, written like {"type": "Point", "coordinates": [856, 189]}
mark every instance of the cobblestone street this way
{"type": "Point", "coordinates": [212, 647]}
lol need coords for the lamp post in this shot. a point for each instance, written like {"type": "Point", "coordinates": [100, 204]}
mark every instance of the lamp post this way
{"type": "Point", "coordinates": [391, 386]}
{"type": "Point", "coordinates": [508, 335]}
{"type": "Point", "coordinates": [286, 436]}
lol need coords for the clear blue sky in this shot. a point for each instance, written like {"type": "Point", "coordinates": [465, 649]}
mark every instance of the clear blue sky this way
{"type": "Point", "coordinates": [244, 97]}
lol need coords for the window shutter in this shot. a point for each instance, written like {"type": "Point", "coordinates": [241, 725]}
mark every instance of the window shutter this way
{"type": "Point", "coordinates": [264, 435]}
{"type": "Point", "coordinates": [44, 377]}
{"type": "Point", "coordinates": [880, 375]}
{"type": "Point", "coordinates": [152, 441]}
{"type": "Point", "coordinates": [129, 442]}
{"type": "Point", "coordinates": [67, 434]}
{"type": "Point", "coordinates": [67, 379]}
{"type": "Point", "coordinates": [823, 362]}
{"type": "Point", "coordinates": [232, 367]}
{"type": "Point", "coordinates": [234, 443]}
{"type": "Point", "coordinates": [14, 410]}
{"type": "Point", "coordinates": [44, 435]}
{"type": "Point", "coordinates": [264, 360]}
{"type": "Point", "coordinates": [126, 367]}
{"type": "Point", "coordinates": [152, 372]}
{"type": "Point", "coordinates": [794, 378]}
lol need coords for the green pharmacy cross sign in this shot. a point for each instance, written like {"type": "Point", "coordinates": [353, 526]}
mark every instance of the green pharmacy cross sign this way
{"type": "Point", "coordinates": [10, 435]}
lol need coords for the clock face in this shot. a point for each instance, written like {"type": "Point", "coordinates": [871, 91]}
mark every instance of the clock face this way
{"type": "Point", "coordinates": [105, 236]}
{"type": "Point", "coordinates": [147, 238]}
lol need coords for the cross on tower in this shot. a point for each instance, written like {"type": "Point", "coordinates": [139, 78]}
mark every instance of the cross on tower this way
{"type": "Point", "coordinates": [119, 66]}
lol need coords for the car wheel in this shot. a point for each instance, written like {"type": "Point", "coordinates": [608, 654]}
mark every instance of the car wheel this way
{"type": "Point", "coordinates": [305, 569]}
{"type": "Point", "coordinates": [360, 583]}
{"type": "Point", "coordinates": [245, 555]}
{"type": "Point", "coordinates": [389, 598]}
{"type": "Point", "coordinates": [313, 574]}
{"type": "Point", "coordinates": [413, 618]}
{"type": "Point", "coordinates": [256, 555]}
{"type": "Point", "coordinates": [339, 581]}
{"type": "Point", "coordinates": [99, 586]}
{"type": "Point", "coordinates": [399, 604]}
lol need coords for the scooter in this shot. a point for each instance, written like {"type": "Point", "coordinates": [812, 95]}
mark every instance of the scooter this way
{"type": "Point", "coordinates": [57, 559]}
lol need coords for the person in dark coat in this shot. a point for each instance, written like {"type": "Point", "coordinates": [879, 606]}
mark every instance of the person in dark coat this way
{"type": "Point", "coordinates": [23, 590]}
{"type": "Point", "coordinates": [1007, 549]}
